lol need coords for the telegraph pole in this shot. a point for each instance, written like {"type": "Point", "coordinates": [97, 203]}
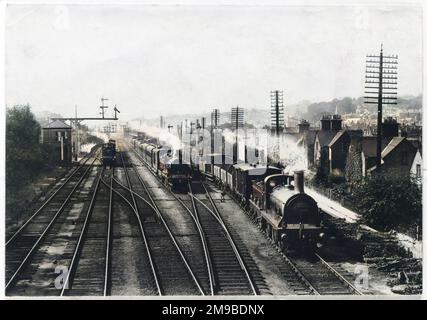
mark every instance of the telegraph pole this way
{"type": "Point", "coordinates": [214, 126]}
{"type": "Point", "coordinates": [381, 88]}
{"type": "Point", "coordinates": [76, 143]}
{"type": "Point", "coordinates": [237, 121]}
{"type": "Point", "coordinates": [215, 118]}
{"type": "Point", "coordinates": [161, 122]}
{"type": "Point", "coordinates": [277, 117]}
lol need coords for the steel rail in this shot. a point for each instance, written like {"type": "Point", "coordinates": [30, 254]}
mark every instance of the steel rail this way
{"type": "Point", "coordinates": [232, 244]}
{"type": "Point", "coordinates": [209, 264]}
{"type": "Point", "coordinates": [167, 228]}
{"type": "Point", "coordinates": [46, 202]}
{"type": "Point", "coordinates": [77, 251]}
{"type": "Point", "coordinates": [338, 275]}
{"type": "Point", "coordinates": [212, 282]}
{"type": "Point", "coordinates": [300, 275]}
{"type": "Point", "coordinates": [43, 234]}
{"type": "Point", "coordinates": [230, 238]}
{"type": "Point", "coordinates": [294, 268]}
{"type": "Point", "coordinates": [147, 247]}
{"type": "Point", "coordinates": [107, 275]}
{"type": "Point", "coordinates": [210, 269]}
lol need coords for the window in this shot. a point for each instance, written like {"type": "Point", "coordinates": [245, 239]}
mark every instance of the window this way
{"type": "Point", "coordinates": [418, 173]}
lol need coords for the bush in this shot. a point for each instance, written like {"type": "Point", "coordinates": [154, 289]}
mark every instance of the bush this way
{"type": "Point", "coordinates": [389, 202]}
{"type": "Point", "coordinates": [24, 155]}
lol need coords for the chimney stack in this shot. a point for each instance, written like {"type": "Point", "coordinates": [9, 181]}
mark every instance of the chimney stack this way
{"type": "Point", "coordinates": [180, 156]}
{"type": "Point", "coordinates": [299, 181]}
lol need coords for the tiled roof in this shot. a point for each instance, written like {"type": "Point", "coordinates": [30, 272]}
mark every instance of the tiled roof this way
{"type": "Point", "coordinates": [325, 137]}
{"type": "Point", "coordinates": [57, 124]}
{"type": "Point", "coordinates": [351, 133]}
{"type": "Point", "coordinates": [369, 146]}
{"type": "Point", "coordinates": [393, 144]}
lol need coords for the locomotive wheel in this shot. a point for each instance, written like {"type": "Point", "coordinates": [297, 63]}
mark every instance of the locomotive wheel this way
{"type": "Point", "coordinates": [284, 246]}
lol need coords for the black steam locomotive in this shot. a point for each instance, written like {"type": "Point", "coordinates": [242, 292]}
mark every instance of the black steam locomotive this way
{"type": "Point", "coordinates": [170, 168]}
{"type": "Point", "coordinates": [108, 156]}
{"type": "Point", "coordinates": [286, 213]}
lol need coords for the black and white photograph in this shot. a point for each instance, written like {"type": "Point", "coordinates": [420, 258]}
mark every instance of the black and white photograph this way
{"type": "Point", "coordinates": [219, 150]}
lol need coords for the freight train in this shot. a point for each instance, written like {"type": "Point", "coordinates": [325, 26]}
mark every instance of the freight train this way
{"type": "Point", "coordinates": [276, 201]}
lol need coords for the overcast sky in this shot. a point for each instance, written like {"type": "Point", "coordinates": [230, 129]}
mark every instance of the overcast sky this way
{"type": "Point", "coordinates": [152, 60]}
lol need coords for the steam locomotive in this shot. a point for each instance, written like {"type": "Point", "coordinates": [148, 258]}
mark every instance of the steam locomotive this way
{"type": "Point", "coordinates": [276, 201]}
{"type": "Point", "coordinates": [169, 167]}
{"type": "Point", "coordinates": [289, 216]}
{"type": "Point", "coordinates": [108, 153]}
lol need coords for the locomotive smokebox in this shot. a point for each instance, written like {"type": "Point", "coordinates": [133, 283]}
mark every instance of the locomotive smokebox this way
{"type": "Point", "coordinates": [299, 181]}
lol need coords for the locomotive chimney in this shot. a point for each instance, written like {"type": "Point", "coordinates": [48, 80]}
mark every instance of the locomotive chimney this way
{"type": "Point", "coordinates": [299, 181]}
{"type": "Point", "coordinates": [180, 156]}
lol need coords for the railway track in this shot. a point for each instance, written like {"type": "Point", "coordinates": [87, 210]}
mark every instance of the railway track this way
{"type": "Point", "coordinates": [228, 273]}
{"type": "Point", "coordinates": [111, 233]}
{"type": "Point", "coordinates": [182, 224]}
{"type": "Point", "coordinates": [61, 190]}
{"type": "Point", "coordinates": [40, 251]}
{"type": "Point", "coordinates": [305, 275]}
{"type": "Point", "coordinates": [232, 277]}
{"type": "Point", "coordinates": [321, 277]}
{"type": "Point", "coordinates": [88, 272]}
{"type": "Point", "coordinates": [173, 271]}
{"type": "Point", "coordinates": [313, 275]}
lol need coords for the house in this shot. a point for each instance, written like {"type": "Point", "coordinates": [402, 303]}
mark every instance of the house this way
{"type": "Point", "coordinates": [57, 140]}
{"type": "Point", "coordinates": [306, 140]}
{"type": "Point", "coordinates": [417, 167]}
{"type": "Point", "coordinates": [397, 157]}
{"type": "Point", "coordinates": [330, 126]}
{"type": "Point", "coordinates": [338, 150]}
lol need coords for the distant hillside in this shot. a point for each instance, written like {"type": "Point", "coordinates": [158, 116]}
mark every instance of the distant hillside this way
{"type": "Point", "coordinates": [349, 105]}
{"type": "Point", "coordinates": [259, 117]}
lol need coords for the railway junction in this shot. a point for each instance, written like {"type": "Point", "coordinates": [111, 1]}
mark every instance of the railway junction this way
{"type": "Point", "coordinates": [120, 230]}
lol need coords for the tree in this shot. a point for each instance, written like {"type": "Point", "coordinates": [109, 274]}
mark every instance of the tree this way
{"type": "Point", "coordinates": [23, 151]}
{"type": "Point", "coordinates": [389, 202]}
